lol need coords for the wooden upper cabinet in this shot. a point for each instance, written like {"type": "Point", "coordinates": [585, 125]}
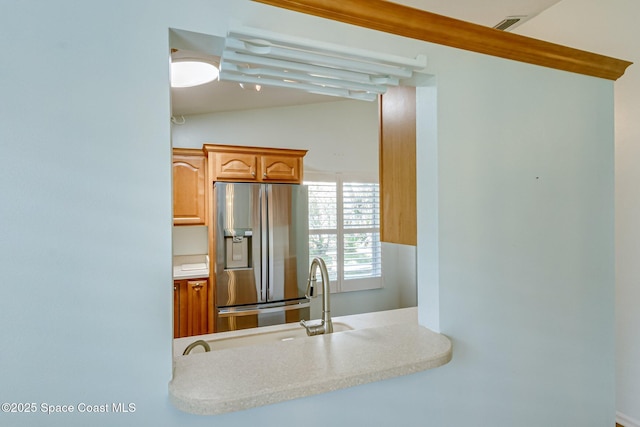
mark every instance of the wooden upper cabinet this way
{"type": "Point", "coordinates": [189, 187]}
{"type": "Point", "coordinates": [398, 166]}
{"type": "Point", "coordinates": [254, 164]}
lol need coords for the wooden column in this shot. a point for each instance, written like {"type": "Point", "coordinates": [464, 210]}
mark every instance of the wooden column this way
{"type": "Point", "coordinates": [398, 166]}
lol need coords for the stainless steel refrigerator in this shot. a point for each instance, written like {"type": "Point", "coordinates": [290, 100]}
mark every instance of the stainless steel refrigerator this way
{"type": "Point", "coordinates": [262, 260]}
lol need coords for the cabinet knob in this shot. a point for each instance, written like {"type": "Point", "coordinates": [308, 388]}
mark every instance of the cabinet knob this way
{"type": "Point", "coordinates": [264, 175]}
{"type": "Point", "coordinates": [253, 173]}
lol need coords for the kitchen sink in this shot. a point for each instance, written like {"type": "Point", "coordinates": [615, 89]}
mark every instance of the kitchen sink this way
{"type": "Point", "coordinates": [288, 334]}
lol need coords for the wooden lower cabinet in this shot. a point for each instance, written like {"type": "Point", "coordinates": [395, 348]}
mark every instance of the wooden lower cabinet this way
{"type": "Point", "coordinates": [192, 307]}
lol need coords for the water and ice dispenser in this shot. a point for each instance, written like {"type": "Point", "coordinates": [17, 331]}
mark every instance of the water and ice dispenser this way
{"type": "Point", "coordinates": [237, 248]}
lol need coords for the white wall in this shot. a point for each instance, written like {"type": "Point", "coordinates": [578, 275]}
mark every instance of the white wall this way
{"type": "Point", "coordinates": [341, 136]}
{"type": "Point", "coordinates": [525, 265]}
{"type": "Point", "coordinates": [611, 28]}
{"type": "Point", "coordinates": [190, 240]}
{"type": "Point", "coordinates": [525, 244]}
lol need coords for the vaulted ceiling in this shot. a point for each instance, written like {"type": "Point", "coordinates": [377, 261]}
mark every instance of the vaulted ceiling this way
{"type": "Point", "coordinates": [227, 96]}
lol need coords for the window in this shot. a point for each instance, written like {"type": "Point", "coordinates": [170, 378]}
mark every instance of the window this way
{"type": "Point", "coordinates": [344, 229]}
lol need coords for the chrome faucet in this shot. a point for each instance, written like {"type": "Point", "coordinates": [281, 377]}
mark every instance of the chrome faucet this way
{"type": "Point", "coordinates": [191, 346]}
{"type": "Point", "coordinates": [325, 326]}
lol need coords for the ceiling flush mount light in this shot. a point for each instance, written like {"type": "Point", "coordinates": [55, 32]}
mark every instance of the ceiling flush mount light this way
{"type": "Point", "coordinates": [258, 57]}
{"type": "Point", "coordinates": [191, 72]}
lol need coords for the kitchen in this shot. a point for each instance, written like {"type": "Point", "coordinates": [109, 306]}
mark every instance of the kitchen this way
{"type": "Point", "coordinates": [341, 136]}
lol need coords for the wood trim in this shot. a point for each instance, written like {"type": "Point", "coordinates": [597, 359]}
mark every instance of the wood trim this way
{"type": "Point", "coordinates": [422, 25]}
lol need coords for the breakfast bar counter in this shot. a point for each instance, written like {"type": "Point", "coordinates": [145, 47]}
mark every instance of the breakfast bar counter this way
{"type": "Point", "coordinates": [375, 346]}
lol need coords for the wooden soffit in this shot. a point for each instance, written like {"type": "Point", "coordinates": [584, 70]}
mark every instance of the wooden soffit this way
{"type": "Point", "coordinates": [422, 25]}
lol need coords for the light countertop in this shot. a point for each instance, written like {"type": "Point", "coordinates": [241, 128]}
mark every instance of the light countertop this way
{"type": "Point", "coordinates": [381, 345]}
{"type": "Point", "coordinates": [190, 267]}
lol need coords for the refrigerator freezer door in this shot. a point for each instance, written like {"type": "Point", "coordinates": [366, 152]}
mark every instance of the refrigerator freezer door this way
{"type": "Point", "coordinates": [238, 217]}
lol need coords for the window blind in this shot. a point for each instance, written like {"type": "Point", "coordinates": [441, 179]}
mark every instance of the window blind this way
{"type": "Point", "coordinates": [344, 229]}
{"type": "Point", "coordinates": [361, 221]}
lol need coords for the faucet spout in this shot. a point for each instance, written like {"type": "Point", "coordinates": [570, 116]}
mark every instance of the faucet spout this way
{"type": "Point", "coordinates": [194, 344]}
{"type": "Point", "coordinates": [326, 325]}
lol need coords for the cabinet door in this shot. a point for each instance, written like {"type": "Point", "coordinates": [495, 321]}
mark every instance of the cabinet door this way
{"type": "Point", "coordinates": [236, 166]}
{"type": "Point", "coordinates": [189, 184]}
{"type": "Point", "coordinates": [198, 319]}
{"type": "Point", "coordinates": [281, 168]}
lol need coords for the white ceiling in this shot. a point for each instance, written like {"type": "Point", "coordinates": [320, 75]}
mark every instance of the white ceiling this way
{"type": "Point", "coordinates": [226, 96]}
{"type": "Point", "coordinates": [218, 96]}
